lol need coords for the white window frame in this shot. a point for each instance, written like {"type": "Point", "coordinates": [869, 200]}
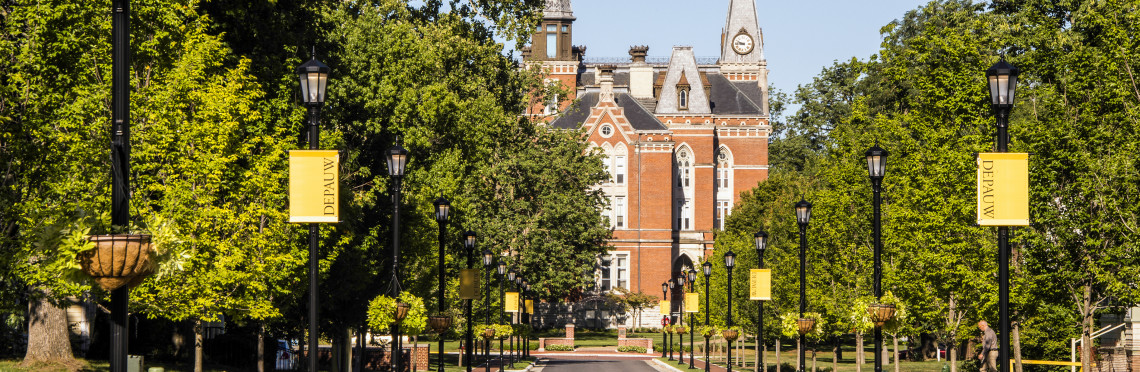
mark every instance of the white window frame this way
{"type": "Point", "coordinates": [617, 272]}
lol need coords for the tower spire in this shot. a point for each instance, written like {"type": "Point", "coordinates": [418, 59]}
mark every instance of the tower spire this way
{"type": "Point", "coordinates": [742, 42]}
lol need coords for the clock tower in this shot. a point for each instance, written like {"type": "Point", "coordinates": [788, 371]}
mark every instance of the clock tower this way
{"type": "Point", "coordinates": [742, 47]}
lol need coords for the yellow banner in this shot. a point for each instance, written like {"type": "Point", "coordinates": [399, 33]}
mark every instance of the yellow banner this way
{"type": "Point", "coordinates": [530, 306]}
{"type": "Point", "coordinates": [692, 302]}
{"type": "Point", "coordinates": [314, 186]}
{"type": "Point", "coordinates": [760, 287]}
{"type": "Point", "coordinates": [664, 307]}
{"type": "Point", "coordinates": [468, 284]}
{"type": "Point", "coordinates": [1003, 189]}
{"type": "Point", "coordinates": [511, 302]}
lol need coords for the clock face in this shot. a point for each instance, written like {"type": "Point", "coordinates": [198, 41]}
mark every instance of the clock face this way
{"type": "Point", "coordinates": [742, 44]}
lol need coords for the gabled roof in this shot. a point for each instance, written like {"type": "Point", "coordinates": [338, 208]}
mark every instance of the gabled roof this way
{"type": "Point", "coordinates": [734, 98]}
{"type": "Point", "coordinates": [639, 118]}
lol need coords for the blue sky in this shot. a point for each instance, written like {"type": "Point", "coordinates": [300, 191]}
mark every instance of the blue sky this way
{"type": "Point", "coordinates": [801, 36]}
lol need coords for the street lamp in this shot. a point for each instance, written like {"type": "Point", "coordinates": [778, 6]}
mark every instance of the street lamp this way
{"type": "Point", "coordinates": [803, 216]}
{"type": "Point", "coordinates": [511, 277]}
{"type": "Point", "coordinates": [397, 159]}
{"type": "Point", "coordinates": [313, 76]}
{"type": "Point", "coordinates": [707, 268]}
{"type": "Point", "coordinates": [672, 285]}
{"type": "Point", "coordinates": [469, 247]}
{"type": "Point", "coordinates": [876, 170]}
{"type": "Point", "coordinates": [680, 280]}
{"type": "Point", "coordinates": [502, 270]}
{"type": "Point", "coordinates": [664, 319]}
{"type": "Point", "coordinates": [692, 274]}
{"type": "Point", "coordinates": [729, 263]}
{"type": "Point", "coordinates": [1002, 78]}
{"type": "Point", "coordinates": [442, 213]}
{"type": "Point", "coordinates": [760, 239]}
{"type": "Point", "coordinates": [488, 265]}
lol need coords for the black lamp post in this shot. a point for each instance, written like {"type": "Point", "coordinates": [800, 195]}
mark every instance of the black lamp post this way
{"type": "Point", "coordinates": [1002, 78]}
{"type": "Point", "coordinates": [502, 271]}
{"type": "Point", "coordinates": [469, 245]}
{"type": "Point", "coordinates": [692, 273]}
{"type": "Point", "coordinates": [707, 267]}
{"type": "Point", "coordinates": [442, 213]}
{"type": "Point", "coordinates": [803, 216]}
{"type": "Point", "coordinates": [121, 166]}
{"type": "Point", "coordinates": [671, 321]}
{"type": "Point", "coordinates": [489, 265]}
{"type": "Point", "coordinates": [313, 76]}
{"type": "Point", "coordinates": [876, 169]}
{"type": "Point", "coordinates": [760, 239]}
{"type": "Point", "coordinates": [397, 159]}
{"type": "Point", "coordinates": [511, 276]}
{"type": "Point", "coordinates": [680, 280]}
{"type": "Point", "coordinates": [664, 319]}
{"type": "Point", "coordinates": [729, 263]}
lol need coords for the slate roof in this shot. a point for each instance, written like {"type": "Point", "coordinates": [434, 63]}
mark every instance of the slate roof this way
{"type": "Point", "coordinates": [729, 98]}
{"type": "Point", "coordinates": [638, 116]}
{"type": "Point", "coordinates": [621, 79]}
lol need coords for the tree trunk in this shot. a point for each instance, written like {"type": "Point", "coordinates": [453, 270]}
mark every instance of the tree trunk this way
{"type": "Point", "coordinates": [48, 337]}
{"type": "Point", "coordinates": [813, 369]}
{"type": "Point", "coordinates": [198, 339]}
{"type": "Point", "coordinates": [952, 346]}
{"type": "Point", "coordinates": [1016, 336]}
{"type": "Point", "coordinates": [261, 347]}
{"type": "Point", "coordinates": [778, 366]}
{"type": "Point", "coordinates": [896, 350]}
{"type": "Point", "coordinates": [859, 352]}
{"type": "Point", "coordinates": [303, 359]}
{"type": "Point", "coordinates": [1086, 329]}
{"type": "Point", "coordinates": [835, 355]}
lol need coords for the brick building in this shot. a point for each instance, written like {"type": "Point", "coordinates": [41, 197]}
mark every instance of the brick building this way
{"type": "Point", "coordinates": [683, 138]}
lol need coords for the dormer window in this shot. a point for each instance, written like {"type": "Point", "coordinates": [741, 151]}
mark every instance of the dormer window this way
{"type": "Point", "coordinates": [683, 99]}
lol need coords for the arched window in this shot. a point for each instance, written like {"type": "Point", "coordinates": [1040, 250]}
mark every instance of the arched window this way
{"type": "Point", "coordinates": [724, 189]}
{"type": "Point", "coordinates": [620, 156]}
{"type": "Point", "coordinates": [683, 99]}
{"type": "Point", "coordinates": [683, 200]}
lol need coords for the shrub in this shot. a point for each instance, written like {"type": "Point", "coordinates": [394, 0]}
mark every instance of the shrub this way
{"type": "Point", "coordinates": [559, 348]}
{"type": "Point", "coordinates": [631, 349]}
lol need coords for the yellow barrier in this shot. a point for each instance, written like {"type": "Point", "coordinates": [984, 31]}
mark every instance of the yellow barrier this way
{"type": "Point", "coordinates": [1049, 363]}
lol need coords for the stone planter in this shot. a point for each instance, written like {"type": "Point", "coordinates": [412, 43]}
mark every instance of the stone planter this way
{"type": "Point", "coordinates": [118, 260]}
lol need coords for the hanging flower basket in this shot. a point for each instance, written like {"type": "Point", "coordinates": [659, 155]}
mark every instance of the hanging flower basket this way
{"type": "Point", "coordinates": [439, 323]}
{"type": "Point", "coordinates": [730, 334]}
{"type": "Point", "coordinates": [680, 329]}
{"type": "Point", "coordinates": [118, 260]}
{"type": "Point", "coordinates": [488, 333]}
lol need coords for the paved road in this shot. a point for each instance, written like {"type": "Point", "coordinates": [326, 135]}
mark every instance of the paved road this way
{"type": "Point", "coordinates": [595, 364]}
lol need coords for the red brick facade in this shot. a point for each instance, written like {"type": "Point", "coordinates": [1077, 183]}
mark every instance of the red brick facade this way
{"type": "Point", "coordinates": [682, 140]}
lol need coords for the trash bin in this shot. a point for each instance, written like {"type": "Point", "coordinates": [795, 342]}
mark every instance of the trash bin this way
{"type": "Point", "coordinates": [134, 363]}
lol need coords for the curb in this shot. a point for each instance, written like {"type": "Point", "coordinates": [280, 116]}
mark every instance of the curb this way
{"type": "Point", "coordinates": [570, 354]}
{"type": "Point", "coordinates": [666, 366]}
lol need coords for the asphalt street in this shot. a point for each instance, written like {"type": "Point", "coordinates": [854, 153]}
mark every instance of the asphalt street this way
{"type": "Point", "coordinates": [595, 364]}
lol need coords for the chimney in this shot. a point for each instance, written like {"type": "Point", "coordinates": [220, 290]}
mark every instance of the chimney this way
{"type": "Point", "coordinates": [638, 52]}
{"type": "Point", "coordinates": [640, 73]}
{"type": "Point", "coordinates": [606, 80]}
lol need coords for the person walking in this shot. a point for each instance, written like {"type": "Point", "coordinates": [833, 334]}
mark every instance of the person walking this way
{"type": "Point", "coordinates": [988, 357]}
